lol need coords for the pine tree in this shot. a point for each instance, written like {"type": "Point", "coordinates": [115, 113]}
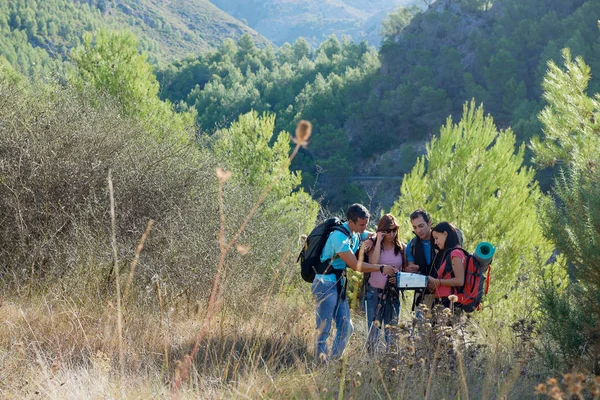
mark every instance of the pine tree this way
{"type": "Point", "coordinates": [472, 177]}
{"type": "Point", "coordinates": [571, 217]}
{"type": "Point", "coordinates": [110, 62]}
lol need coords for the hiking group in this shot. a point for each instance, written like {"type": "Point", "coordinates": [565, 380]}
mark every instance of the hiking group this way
{"type": "Point", "coordinates": [433, 264]}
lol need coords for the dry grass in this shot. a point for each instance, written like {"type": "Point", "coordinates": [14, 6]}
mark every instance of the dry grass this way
{"type": "Point", "coordinates": [67, 348]}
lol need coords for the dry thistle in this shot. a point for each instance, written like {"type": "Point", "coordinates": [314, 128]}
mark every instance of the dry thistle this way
{"type": "Point", "coordinates": [323, 357]}
{"type": "Point", "coordinates": [453, 298]}
{"type": "Point", "coordinates": [540, 389]}
{"type": "Point", "coordinates": [303, 132]}
{"type": "Point", "coordinates": [241, 249]}
{"type": "Point", "coordinates": [223, 175]}
{"type": "Point", "coordinates": [302, 239]}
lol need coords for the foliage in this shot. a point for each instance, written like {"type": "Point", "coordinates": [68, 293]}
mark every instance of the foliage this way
{"type": "Point", "coordinates": [362, 104]}
{"type": "Point", "coordinates": [473, 178]}
{"type": "Point", "coordinates": [57, 147]}
{"type": "Point", "coordinates": [325, 86]}
{"type": "Point", "coordinates": [258, 159]}
{"type": "Point", "coordinates": [571, 128]}
{"type": "Point", "coordinates": [36, 35]}
{"type": "Point", "coordinates": [359, 103]}
{"type": "Point", "coordinates": [245, 149]}
{"type": "Point", "coordinates": [571, 217]}
{"type": "Point", "coordinates": [109, 62]}
{"type": "Point", "coordinates": [395, 22]}
{"type": "Point", "coordinates": [57, 150]}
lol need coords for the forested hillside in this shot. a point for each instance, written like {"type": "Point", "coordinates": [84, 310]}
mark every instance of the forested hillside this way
{"type": "Point", "coordinates": [36, 35]}
{"type": "Point", "coordinates": [372, 114]}
{"type": "Point", "coordinates": [285, 21]}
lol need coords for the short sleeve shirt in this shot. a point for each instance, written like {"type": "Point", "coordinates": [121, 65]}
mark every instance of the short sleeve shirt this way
{"type": "Point", "coordinates": [387, 257]}
{"type": "Point", "coordinates": [426, 248]}
{"type": "Point", "coordinates": [445, 291]}
{"type": "Point", "coordinates": [339, 242]}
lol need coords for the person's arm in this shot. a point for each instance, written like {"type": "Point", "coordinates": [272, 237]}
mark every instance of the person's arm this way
{"type": "Point", "coordinates": [375, 253]}
{"type": "Point", "coordinates": [350, 259]}
{"type": "Point", "coordinates": [367, 241]}
{"type": "Point", "coordinates": [458, 267]}
{"type": "Point", "coordinates": [410, 260]}
{"type": "Point", "coordinates": [366, 235]}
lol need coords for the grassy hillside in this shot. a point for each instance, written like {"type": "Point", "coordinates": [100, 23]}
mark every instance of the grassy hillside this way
{"type": "Point", "coordinates": [285, 20]}
{"type": "Point", "coordinates": [36, 35]}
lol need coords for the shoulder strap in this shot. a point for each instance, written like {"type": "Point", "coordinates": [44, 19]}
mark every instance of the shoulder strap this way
{"type": "Point", "coordinates": [342, 228]}
{"type": "Point", "coordinates": [449, 259]}
{"type": "Point", "coordinates": [412, 243]}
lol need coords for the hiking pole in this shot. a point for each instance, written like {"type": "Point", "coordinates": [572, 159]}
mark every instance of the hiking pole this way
{"type": "Point", "coordinates": [375, 319]}
{"type": "Point", "coordinates": [368, 328]}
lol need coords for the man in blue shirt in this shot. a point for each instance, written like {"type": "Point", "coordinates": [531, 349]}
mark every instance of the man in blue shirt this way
{"type": "Point", "coordinates": [420, 252]}
{"type": "Point", "coordinates": [329, 290]}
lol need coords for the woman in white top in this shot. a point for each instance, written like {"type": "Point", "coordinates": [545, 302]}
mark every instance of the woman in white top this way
{"type": "Point", "coordinates": [383, 303]}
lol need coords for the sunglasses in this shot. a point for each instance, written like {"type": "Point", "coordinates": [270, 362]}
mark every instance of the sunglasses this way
{"type": "Point", "coordinates": [390, 230]}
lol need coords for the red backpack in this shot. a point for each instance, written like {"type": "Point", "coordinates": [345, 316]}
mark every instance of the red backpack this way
{"type": "Point", "coordinates": [477, 282]}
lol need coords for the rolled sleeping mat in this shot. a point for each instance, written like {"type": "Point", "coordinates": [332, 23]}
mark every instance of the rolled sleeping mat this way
{"type": "Point", "coordinates": [484, 253]}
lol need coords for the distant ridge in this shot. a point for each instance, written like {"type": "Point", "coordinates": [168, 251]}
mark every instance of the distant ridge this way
{"type": "Point", "coordinates": [284, 21]}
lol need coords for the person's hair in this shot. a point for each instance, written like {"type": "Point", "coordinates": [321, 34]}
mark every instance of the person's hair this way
{"type": "Point", "coordinates": [452, 239]}
{"type": "Point", "coordinates": [356, 211]}
{"type": "Point", "coordinates": [419, 212]}
{"type": "Point", "coordinates": [387, 222]}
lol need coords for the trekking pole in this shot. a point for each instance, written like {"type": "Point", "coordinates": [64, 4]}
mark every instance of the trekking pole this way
{"type": "Point", "coordinates": [368, 328]}
{"type": "Point", "coordinates": [375, 319]}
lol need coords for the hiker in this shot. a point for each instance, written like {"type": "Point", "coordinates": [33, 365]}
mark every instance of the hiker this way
{"type": "Point", "coordinates": [420, 252]}
{"type": "Point", "coordinates": [329, 289]}
{"type": "Point", "coordinates": [449, 265]}
{"type": "Point", "coordinates": [381, 296]}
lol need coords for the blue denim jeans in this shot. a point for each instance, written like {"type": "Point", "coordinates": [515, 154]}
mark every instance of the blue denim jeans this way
{"type": "Point", "coordinates": [330, 307]}
{"type": "Point", "coordinates": [385, 310]}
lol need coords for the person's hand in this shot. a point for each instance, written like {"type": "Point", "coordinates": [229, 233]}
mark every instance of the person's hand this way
{"type": "Point", "coordinates": [367, 245]}
{"type": "Point", "coordinates": [389, 270]}
{"type": "Point", "coordinates": [393, 279]}
{"type": "Point", "coordinates": [411, 267]}
{"type": "Point", "coordinates": [432, 283]}
{"type": "Point", "coordinates": [379, 236]}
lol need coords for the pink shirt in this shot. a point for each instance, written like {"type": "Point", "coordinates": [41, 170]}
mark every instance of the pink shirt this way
{"type": "Point", "coordinates": [445, 291]}
{"type": "Point", "coordinates": [377, 279]}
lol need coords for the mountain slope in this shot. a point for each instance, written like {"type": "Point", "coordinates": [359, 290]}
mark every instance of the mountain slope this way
{"type": "Point", "coordinates": [285, 20]}
{"type": "Point", "coordinates": [36, 35]}
{"type": "Point", "coordinates": [180, 27]}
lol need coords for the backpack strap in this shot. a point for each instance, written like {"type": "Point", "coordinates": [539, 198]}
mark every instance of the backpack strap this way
{"type": "Point", "coordinates": [339, 274]}
{"type": "Point", "coordinates": [340, 228]}
{"type": "Point", "coordinates": [448, 256]}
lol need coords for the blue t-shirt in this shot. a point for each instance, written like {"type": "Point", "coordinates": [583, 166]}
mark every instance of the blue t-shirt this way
{"type": "Point", "coordinates": [426, 249]}
{"type": "Point", "coordinates": [339, 242]}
